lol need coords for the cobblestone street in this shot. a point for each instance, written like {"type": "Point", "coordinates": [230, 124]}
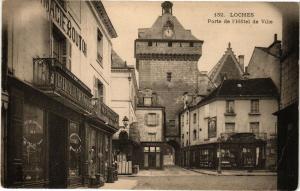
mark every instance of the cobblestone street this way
{"type": "Point", "coordinates": [176, 178]}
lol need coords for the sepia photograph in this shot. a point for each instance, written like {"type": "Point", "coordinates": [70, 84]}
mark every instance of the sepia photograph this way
{"type": "Point", "coordinates": [149, 95]}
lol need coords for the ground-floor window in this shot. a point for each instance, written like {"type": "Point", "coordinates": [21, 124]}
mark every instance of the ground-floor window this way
{"type": "Point", "coordinates": [33, 143]}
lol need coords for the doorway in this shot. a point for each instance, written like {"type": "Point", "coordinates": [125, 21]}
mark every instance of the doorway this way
{"type": "Point", "coordinates": [57, 151]}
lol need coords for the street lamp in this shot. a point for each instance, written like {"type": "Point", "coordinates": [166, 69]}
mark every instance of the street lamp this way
{"type": "Point", "coordinates": [219, 157]}
{"type": "Point", "coordinates": [125, 121]}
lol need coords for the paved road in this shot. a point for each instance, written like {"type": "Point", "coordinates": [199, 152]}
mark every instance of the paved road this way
{"type": "Point", "coordinates": [180, 179]}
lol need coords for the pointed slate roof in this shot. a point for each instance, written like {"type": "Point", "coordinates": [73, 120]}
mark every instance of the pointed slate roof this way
{"type": "Point", "coordinates": [227, 61]}
{"type": "Point", "coordinates": [117, 61]}
{"type": "Point", "coordinates": [156, 30]}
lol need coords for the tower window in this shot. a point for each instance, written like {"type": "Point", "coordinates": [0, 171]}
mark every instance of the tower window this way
{"type": "Point", "coordinates": [191, 44]}
{"type": "Point", "coordinates": [169, 44]}
{"type": "Point", "coordinates": [149, 43]}
{"type": "Point", "coordinates": [169, 76]}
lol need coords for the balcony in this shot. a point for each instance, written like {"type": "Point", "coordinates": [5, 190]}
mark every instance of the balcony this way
{"type": "Point", "coordinates": [53, 78]}
{"type": "Point", "coordinates": [106, 114]}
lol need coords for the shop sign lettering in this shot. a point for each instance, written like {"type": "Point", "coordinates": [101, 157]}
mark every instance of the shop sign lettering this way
{"type": "Point", "coordinates": [59, 17]}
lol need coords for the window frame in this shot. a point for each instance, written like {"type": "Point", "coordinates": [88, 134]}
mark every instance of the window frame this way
{"type": "Point", "coordinates": [99, 56]}
{"type": "Point", "coordinates": [230, 123]}
{"type": "Point", "coordinates": [254, 106]}
{"type": "Point", "coordinates": [155, 120]}
{"type": "Point", "coordinates": [228, 110]}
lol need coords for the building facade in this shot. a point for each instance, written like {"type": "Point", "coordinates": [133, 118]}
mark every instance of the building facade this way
{"type": "Point", "coordinates": [288, 113]}
{"type": "Point", "coordinates": [166, 59]}
{"type": "Point", "coordinates": [126, 142]}
{"type": "Point", "coordinates": [234, 122]}
{"type": "Point", "coordinates": [57, 58]}
{"type": "Point", "coordinates": [265, 62]}
{"type": "Point", "coordinates": [151, 125]}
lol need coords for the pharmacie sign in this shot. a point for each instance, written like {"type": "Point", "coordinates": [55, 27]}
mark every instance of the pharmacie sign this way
{"type": "Point", "coordinates": [60, 18]}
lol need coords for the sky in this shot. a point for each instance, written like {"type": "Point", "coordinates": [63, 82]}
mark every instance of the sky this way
{"type": "Point", "coordinates": [128, 16]}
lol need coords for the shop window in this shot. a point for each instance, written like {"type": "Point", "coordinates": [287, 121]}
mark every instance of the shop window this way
{"type": "Point", "coordinates": [152, 119]}
{"type": "Point", "coordinates": [152, 136]}
{"type": "Point", "coordinates": [146, 149]}
{"type": "Point", "coordinates": [195, 118]}
{"type": "Point", "coordinates": [99, 47]}
{"type": "Point", "coordinates": [74, 149]}
{"type": "Point", "coordinates": [229, 106]}
{"type": "Point", "coordinates": [33, 143]}
{"type": "Point", "coordinates": [254, 106]}
{"type": "Point", "coordinates": [147, 101]}
{"type": "Point", "coordinates": [229, 127]}
{"type": "Point", "coordinates": [254, 127]}
{"type": "Point", "coordinates": [152, 149]}
{"type": "Point", "coordinates": [62, 48]}
{"type": "Point", "coordinates": [157, 149]}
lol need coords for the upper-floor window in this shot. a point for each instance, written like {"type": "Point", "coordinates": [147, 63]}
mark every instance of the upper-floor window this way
{"type": "Point", "coordinates": [229, 127]}
{"type": "Point", "coordinates": [171, 123]}
{"type": "Point", "coordinates": [195, 118]}
{"type": "Point", "coordinates": [99, 47]}
{"type": "Point", "coordinates": [194, 134]}
{"type": "Point", "coordinates": [191, 44]}
{"type": "Point", "coordinates": [147, 101]}
{"type": "Point", "coordinates": [150, 43]}
{"type": "Point", "coordinates": [254, 106]}
{"type": "Point", "coordinates": [62, 3]}
{"type": "Point", "coordinates": [230, 106]}
{"type": "Point", "coordinates": [169, 44]}
{"type": "Point", "coordinates": [151, 136]}
{"type": "Point", "coordinates": [61, 48]}
{"type": "Point", "coordinates": [187, 117]}
{"type": "Point", "coordinates": [182, 121]}
{"type": "Point", "coordinates": [98, 89]}
{"type": "Point", "coordinates": [169, 76]}
{"type": "Point", "coordinates": [254, 127]}
{"type": "Point", "coordinates": [151, 119]}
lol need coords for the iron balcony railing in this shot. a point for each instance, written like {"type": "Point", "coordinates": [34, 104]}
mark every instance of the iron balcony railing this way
{"type": "Point", "coordinates": [51, 76]}
{"type": "Point", "coordinates": [262, 135]}
{"type": "Point", "coordinates": [105, 113]}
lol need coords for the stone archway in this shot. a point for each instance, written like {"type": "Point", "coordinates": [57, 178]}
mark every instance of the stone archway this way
{"type": "Point", "coordinates": [172, 154]}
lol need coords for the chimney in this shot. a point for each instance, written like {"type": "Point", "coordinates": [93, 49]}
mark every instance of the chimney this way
{"type": "Point", "coordinates": [241, 61]}
{"type": "Point", "coordinates": [246, 74]}
{"type": "Point", "coordinates": [275, 37]}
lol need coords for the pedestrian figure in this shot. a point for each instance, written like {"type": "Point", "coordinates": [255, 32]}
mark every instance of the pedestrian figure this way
{"type": "Point", "coordinates": [92, 166]}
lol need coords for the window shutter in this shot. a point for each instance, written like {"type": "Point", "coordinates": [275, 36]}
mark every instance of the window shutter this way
{"type": "Point", "coordinates": [69, 55]}
{"type": "Point", "coordinates": [64, 52]}
{"type": "Point", "coordinates": [146, 119]}
{"type": "Point", "coordinates": [95, 87]}
{"type": "Point", "coordinates": [157, 119]}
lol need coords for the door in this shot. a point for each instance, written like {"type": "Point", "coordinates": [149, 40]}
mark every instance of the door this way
{"type": "Point", "coordinates": [57, 151]}
{"type": "Point", "coordinates": [152, 161]}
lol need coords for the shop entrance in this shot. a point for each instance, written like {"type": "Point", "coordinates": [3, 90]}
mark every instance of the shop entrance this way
{"type": "Point", "coordinates": [57, 151]}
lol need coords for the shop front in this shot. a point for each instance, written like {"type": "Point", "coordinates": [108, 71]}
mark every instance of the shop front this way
{"type": "Point", "coordinates": [51, 127]}
{"type": "Point", "coordinates": [152, 155]}
{"type": "Point", "coordinates": [239, 151]}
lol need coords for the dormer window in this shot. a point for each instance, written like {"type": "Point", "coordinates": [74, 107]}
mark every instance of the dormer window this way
{"type": "Point", "coordinates": [191, 44]}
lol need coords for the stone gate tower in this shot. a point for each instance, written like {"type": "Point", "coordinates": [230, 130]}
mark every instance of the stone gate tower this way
{"type": "Point", "coordinates": [166, 59]}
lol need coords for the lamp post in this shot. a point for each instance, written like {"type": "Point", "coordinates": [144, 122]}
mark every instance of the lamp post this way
{"type": "Point", "coordinates": [125, 121]}
{"type": "Point", "coordinates": [219, 157]}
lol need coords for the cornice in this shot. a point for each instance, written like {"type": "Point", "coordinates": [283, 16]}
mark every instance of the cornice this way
{"type": "Point", "coordinates": [177, 57]}
{"type": "Point", "coordinates": [104, 18]}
